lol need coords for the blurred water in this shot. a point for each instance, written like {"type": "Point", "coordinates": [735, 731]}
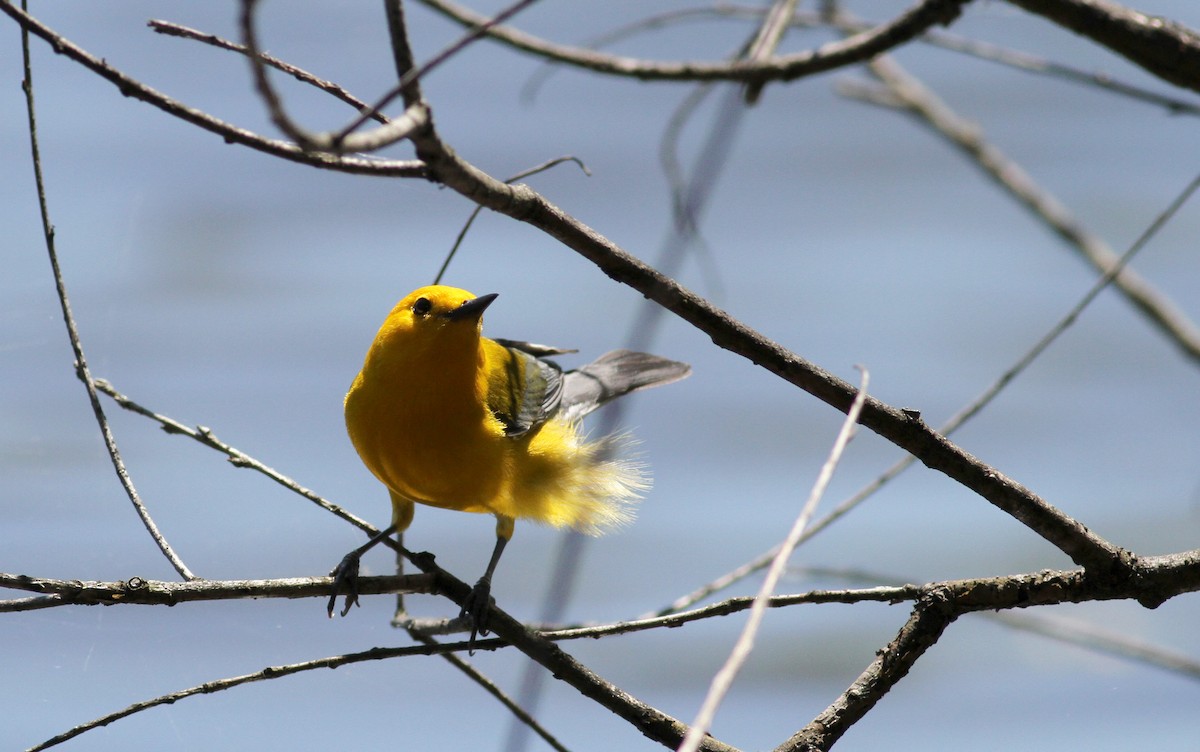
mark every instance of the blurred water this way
{"type": "Point", "coordinates": [236, 291]}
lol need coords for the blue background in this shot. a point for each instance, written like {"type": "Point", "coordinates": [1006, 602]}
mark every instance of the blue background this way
{"type": "Point", "coordinates": [231, 289]}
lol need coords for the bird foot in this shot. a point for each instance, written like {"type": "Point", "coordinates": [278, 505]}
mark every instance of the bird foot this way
{"type": "Point", "coordinates": [477, 608]}
{"type": "Point", "coordinates": [345, 580]}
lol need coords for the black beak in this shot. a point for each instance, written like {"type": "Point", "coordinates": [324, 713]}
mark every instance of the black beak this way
{"type": "Point", "coordinates": [473, 308]}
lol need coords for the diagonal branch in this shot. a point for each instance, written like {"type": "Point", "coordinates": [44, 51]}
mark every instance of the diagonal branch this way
{"type": "Point", "coordinates": [723, 680]}
{"type": "Point", "coordinates": [237, 458]}
{"type": "Point", "coordinates": [1168, 50]}
{"type": "Point", "coordinates": [329, 87]}
{"type": "Point", "coordinates": [902, 427]}
{"type": "Point", "coordinates": [930, 617]}
{"type": "Point", "coordinates": [909, 94]}
{"type": "Point", "coordinates": [941, 603]}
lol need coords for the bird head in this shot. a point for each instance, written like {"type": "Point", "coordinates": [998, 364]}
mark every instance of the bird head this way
{"type": "Point", "coordinates": [437, 311]}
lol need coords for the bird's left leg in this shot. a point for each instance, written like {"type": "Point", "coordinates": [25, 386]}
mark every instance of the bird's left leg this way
{"type": "Point", "coordinates": [479, 602]}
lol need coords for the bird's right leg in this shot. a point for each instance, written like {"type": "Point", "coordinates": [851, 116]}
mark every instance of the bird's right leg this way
{"type": "Point", "coordinates": [345, 574]}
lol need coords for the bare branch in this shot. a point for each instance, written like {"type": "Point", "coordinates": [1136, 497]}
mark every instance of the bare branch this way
{"type": "Point", "coordinates": [902, 427]}
{"type": "Point", "coordinates": [1038, 65]}
{"type": "Point", "coordinates": [184, 32]}
{"type": "Point", "coordinates": [140, 591]}
{"type": "Point", "coordinates": [775, 22]}
{"type": "Point", "coordinates": [415, 117]}
{"type": "Point", "coordinates": [1100, 640]}
{"type": "Point", "coordinates": [495, 691]}
{"type": "Point", "coordinates": [237, 458]}
{"type": "Point", "coordinates": [1162, 47]}
{"type": "Point", "coordinates": [230, 133]}
{"type": "Point", "coordinates": [930, 617]}
{"type": "Point", "coordinates": [410, 73]}
{"type": "Point", "coordinates": [462, 234]}
{"type": "Point", "coordinates": [81, 366]}
{"type": "Point", "coordinates": [723, 680]}
{"type": "Point", "coordinates": [908, 93]}
{"type": "Point", "coordinates": [857, 48]}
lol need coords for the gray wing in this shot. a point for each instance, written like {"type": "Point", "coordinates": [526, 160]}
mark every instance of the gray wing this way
{"type": "Point", "coordinates": [534, 349]}
{"type": "Point", "coordinates": [530, 393]}
{"type": "Point", "coordinates": [613, 375]}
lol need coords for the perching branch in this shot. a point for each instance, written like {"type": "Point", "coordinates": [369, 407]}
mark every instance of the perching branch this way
{"type": "Point", "coordinates": [140, 591]}
{"type": "Point", "coordinates": [937, 605]}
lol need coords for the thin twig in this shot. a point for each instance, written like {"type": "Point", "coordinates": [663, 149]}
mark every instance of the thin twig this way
{"type": "Point", "coordinates": [916, 99]}
{"type": "Point", "coordinates": [219, 685]}
{"type": "Point", "coordinates": [489, 686]}
{"type": "Point", "coordinates": [414, 118]}
{"type": "Point", "coordinates": [81, 367]}
{"type": "Point", "coordinates": [1036, 64]}
{"type": "Point", "coordinates": [1100, 640]}
{"type": "Point", "coordinates": [775, 22]}
{"type": "Point", "coordinates": [724, 677]}
{"type": "Point", "coordinates": [237, 458]}
{"type": "Point", "coordinates": [177, 30]}
{"type": "Point", "coordinates": [529, 90]}
{"type": "Point", "coordinates": [860, 47]}
{"type": "Point", "coordinates": [462, 234]}
{"type": "Point", "coordinates": [413, 74]}
{"type": "Point", "coordinates": [966, 413]}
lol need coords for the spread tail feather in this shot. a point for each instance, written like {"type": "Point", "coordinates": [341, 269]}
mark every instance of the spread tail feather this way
{"type": "Point", "coordinates": [584, 485]}
{"type": "Point", "coordinates": [613, 375]}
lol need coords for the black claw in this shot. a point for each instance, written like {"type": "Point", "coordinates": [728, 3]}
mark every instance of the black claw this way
{"type": "Point", "coordinates": [478, 607]}
{"type": "Point", "coordinates": [345, 580]}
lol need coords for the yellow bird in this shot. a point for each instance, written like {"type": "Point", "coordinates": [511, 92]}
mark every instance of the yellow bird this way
{"type": "Point", "coordinates": [444, 416]}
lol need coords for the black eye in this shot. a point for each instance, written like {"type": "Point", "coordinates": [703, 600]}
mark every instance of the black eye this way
{"type": "Point", "coordinates": [422, 307]}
